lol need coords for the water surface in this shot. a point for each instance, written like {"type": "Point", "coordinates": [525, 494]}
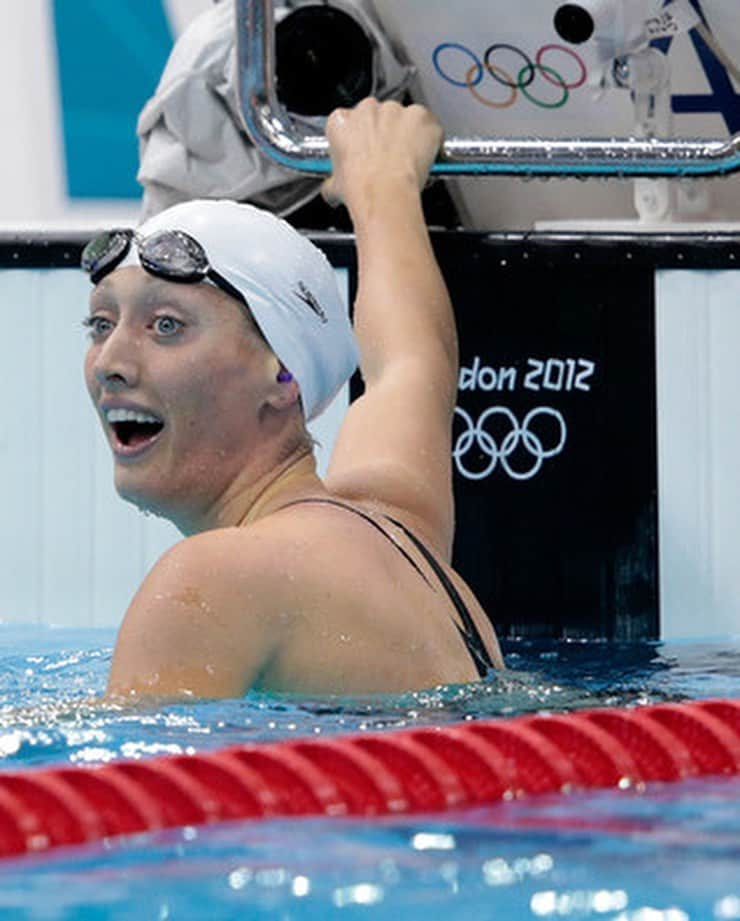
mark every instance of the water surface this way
{"type": "Point", "coordinates": [668, 853]}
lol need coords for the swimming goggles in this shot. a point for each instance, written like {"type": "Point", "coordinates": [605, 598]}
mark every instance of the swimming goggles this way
{"type": "Point", "coordinates": [170, 254]}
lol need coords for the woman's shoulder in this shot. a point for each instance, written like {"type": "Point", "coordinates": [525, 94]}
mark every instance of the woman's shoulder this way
{"type": "Point", "coordinates": [258, 548]}
{"type": "Point", "coordinates": [275, 557]}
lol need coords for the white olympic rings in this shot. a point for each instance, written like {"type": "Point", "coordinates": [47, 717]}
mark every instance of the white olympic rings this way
{"type": "Point", "coordinates": [520, 435]}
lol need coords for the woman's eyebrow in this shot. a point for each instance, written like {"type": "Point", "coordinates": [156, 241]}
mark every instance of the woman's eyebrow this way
{"type": "Point", "coordinates": [158, 289]}
{"type": "Point", "coordinates": [153, 290]}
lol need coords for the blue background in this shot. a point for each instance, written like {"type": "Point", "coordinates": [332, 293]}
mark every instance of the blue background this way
{"type": "Point", "coordinates": [111, 54]}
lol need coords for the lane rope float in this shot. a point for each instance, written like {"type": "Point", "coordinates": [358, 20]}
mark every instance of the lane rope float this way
{"type": "Point", "coordinates": [371, 774]}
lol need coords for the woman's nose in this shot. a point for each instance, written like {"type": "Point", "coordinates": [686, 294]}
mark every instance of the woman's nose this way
{"type": "Point", "coordinates": [116, 365]}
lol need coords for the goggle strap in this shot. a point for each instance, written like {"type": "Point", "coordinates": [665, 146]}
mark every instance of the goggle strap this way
{"type": "Point", "coordinates": [225, 285]}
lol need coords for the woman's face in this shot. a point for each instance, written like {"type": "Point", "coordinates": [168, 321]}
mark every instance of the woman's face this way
{"type": "Point", "coordinates": [179, 378]}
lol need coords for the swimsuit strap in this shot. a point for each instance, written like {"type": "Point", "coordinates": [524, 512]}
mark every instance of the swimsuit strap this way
{"type": "Point", "coordinates": [370, 521]}
{"type": "Point", "coordinates": [469, 633]}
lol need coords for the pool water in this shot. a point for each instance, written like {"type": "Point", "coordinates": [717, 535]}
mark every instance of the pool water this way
{"type": "Point", "coordinates": [670, 853]}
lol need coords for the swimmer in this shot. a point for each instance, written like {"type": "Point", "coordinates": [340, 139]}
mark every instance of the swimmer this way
{"type": "Point", "coordinates": [216, 332]}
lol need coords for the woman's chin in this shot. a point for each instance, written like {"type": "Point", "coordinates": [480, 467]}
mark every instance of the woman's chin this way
{"type": "Point", "coordinates": [148, 500]}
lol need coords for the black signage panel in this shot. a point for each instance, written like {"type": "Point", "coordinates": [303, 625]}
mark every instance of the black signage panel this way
{"type": "Point", "coordinates": [554, 444]}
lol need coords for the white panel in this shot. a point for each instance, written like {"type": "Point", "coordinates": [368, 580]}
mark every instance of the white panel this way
{"type": "Point", "coordinates": [697, 331]}
{"type": "Point", "coordinates": [20, 449]}
{"type": "Point", "coordinates": [724, 449]}
{"type": "Point", "coordinates": [71, 552]}
{"type": "Point", "coordinates": [64, 557]}
{"type": "Point", "coordinates": [31, 175]}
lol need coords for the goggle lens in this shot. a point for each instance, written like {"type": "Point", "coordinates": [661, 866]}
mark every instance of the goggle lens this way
{"type": "Point", "coordinates": [175, 255]}
{"type": "Point", "coordinates": [104, 252]}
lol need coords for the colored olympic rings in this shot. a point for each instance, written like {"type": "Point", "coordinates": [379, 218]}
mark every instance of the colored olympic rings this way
{"type": "Point", "coordinates": [473, 57]}
{"type": "Point", "coordinates": [576, 57]}
{"type": "Point", "coordinates": [528, 65]}
{"type": "Point", "coordinates": [490, 102]}
{"type": "Point", "coordinates": [474, 70]}
{"type": "Point", "coordinates": [538, 102]}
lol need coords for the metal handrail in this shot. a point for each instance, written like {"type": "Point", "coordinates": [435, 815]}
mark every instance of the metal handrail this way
{"type": "Point", "coordinates": [275, 133]}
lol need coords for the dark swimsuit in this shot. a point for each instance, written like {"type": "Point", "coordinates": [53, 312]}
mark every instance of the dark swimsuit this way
{"type": "Point", "coordinates": [468, 632]}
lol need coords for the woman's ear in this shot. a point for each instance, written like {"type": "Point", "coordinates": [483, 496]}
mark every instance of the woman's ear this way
{"type": "Point", "coordinates": [285, 392]}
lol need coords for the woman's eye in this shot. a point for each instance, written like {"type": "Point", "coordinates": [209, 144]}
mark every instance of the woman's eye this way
{"type": "Point", "coordinates": [167, 326]}
{"type": "Point", "coordinates": [98, 326]}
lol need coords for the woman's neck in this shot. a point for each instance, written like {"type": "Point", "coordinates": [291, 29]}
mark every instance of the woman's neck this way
{"type": "Point", "coordinates": [298, 480]}
{"type": "Point", "coordinates": [251, 497]}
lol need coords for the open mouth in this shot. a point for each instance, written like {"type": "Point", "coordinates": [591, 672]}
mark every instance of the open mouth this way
{"type": "Point", "coordinates": [132, 429]}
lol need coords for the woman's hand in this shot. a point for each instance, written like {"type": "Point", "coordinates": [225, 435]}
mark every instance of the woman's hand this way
{"type": "Point", "coordinates": [377, 145]}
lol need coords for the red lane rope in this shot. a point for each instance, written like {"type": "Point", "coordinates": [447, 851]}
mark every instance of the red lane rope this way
{"type": "Point", "coordinates": [371, 774]}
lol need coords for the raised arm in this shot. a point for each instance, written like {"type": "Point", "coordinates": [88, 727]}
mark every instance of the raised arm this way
{"type": "Point", "coordinates": [394, 446]}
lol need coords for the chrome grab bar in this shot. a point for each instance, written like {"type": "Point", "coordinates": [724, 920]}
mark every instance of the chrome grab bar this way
{"type": "Point", "coordinates": [274, 132]}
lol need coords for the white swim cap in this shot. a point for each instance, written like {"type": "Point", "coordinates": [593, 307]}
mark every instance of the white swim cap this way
{"type": "Point", "coordinates": [288, 283]}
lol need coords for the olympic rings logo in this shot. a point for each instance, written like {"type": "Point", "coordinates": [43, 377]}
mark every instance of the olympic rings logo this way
{"type": "Point", "coordinates": [461, 67]}
{"type": "Point", "coordinates": [520, 436]}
